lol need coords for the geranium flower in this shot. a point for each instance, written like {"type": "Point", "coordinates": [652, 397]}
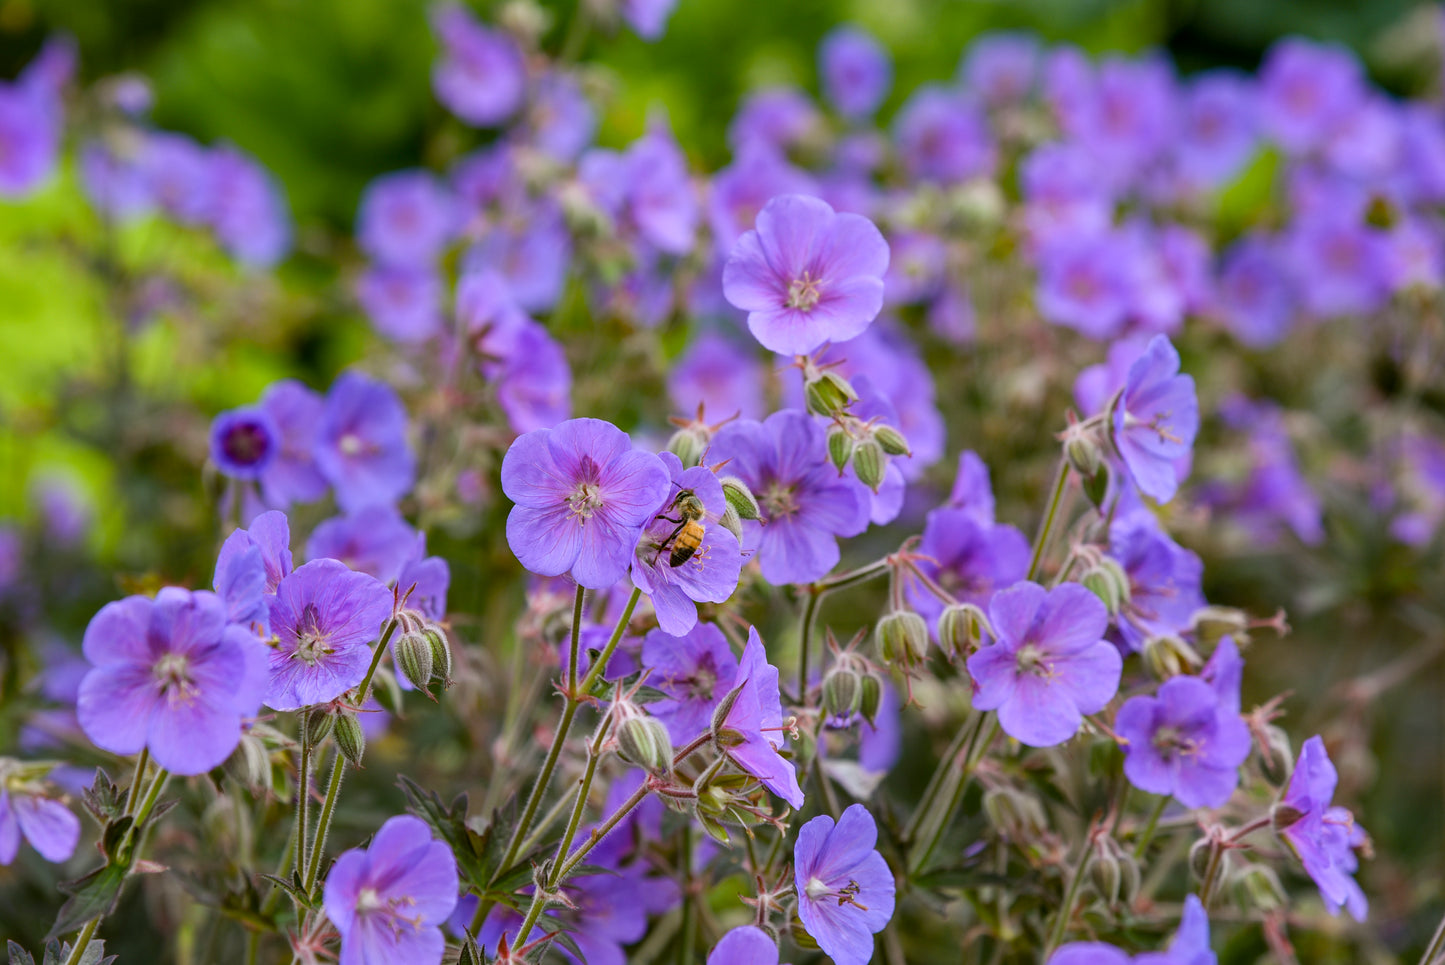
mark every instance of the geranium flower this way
{"type": "Point", "coordinates": [845, 890]}
{"type": "Point", "coordinates": [1185, 742]}
{"type": "Point", "coordinates": [1324, 838]}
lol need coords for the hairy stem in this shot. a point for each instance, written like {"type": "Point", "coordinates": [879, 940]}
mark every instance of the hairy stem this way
{"type": "Point", "coordinates": [323, 825]}
{"type": "Point", "coordinates": [1061, 480]}
{"type": "Point", "coordinates": [1147, 834]}
{"type": "Point", "coordinates": [1066, 910]}
{"type": "Point", "coordinates": [816, 592]}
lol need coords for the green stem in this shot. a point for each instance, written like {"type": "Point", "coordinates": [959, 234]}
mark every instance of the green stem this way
{"type": "Point", "coordinates": [1066, 910]}
{"type": "Point", "coordinates": [303, 795]}
{"type": "Point", "coordinates": [937, 823]}
{"type": "Point", "coordinates": [376, 655]}
{"type": "Point", "coordinates": [323, 825]}
{"type": "Point", "coordinates": [1061, 479]}
{"type": "Point", "coordinates": [1211, 876]}
{"type": "Point", "coordinates": [1436, 949]}
{"type": "Point", "coordinates": [135, 782]}
{"type": "Point", "coordinates": [1148, 834]}
{"type": "Point", "coordinates": [816, 592]}
{"type": "Point", "coordinates": [688, 943]}
{"type": "Point", "coordinates": [576, 640]}
{"type": "Point", "coordinates": [82, 941]}
{"type": "Point", "coordinates": [584, 790]}
{"type": "Point", "coordinates": [940, 772]}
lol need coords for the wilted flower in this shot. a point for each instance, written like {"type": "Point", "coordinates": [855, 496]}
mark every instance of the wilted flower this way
{"type": "Point", "coordinates": [845, 890]}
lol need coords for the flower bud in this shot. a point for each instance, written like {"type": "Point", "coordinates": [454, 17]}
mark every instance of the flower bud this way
{"type": "Point", "coordinates": [1169, 656]}
{"type": "Point", "coordinates": [731, 522]}
{"type": "Point", "coordinates": [870, 696]}
{"type": "Point", "coordinates": [1257, 888]}
{"type": "Point", "coordinates": [740, 497]}
{"type": "Point", "coordinates": [525, 19]}
{"type": "Point", "coordinates": [1284, 816]}
{"type": "Point", "coordinates": [441, 654]}
{"type": "Point", "coordinates": [1276, 752]}
{"type": "Point", "coordinates": [643, 741]}
{"type": "Point", "coordinates": [1108, 581]}
{"type": "Point", "coordinates": [840, 447]}
{"type": "Point", "coordinates": [318, 725]}
{"type": "Point", "coordinates": [1211, 623]}
{"type": "Point", "coordinates": [250, 763]}
{"type": "Point", "coordinates": [869, 463]}
{"type": "Point", "coordinates": [1016, 816]}
{"type": "Point", "coordinates": [961, 627]}
{"type": "Point", "coordinates": [1083, 453]}
{"type": "Point", "coordinates": [800, 936]}
{"type": "Point", "coordinates": [1113, 872]}
{"type": "Point", "coordinates": [980, 202]}
{"type": "Point", "coordinates": [414, 659]}
{"type": "Point", "coordinates": [842, 691]}
{"type": "Point", "coordinates": [350, 739]}
{"type": "Point", "coordinates": [688, 444]}
{"type": "Point", "coordinates": [1205, 852]}
{"type": "Point", "coordinates": [891, 441]}
{"type": "Point", "coordinates": [720, 713]}
{"type": "Point", "coordinates": [902, 637]}
{"type": "Point", "coordinates": [829, 394]}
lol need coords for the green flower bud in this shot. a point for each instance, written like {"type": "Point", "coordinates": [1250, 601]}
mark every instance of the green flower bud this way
{"type": "Point", "coordinates": [318, 726]}
{"type": "Point", "coordinates": [902, 638]}
{"type": "Point", "coordinates": [1113, 872]}
{"type": "Point", "coordinates": [1108, 581]}
{"type": "Point", "coordinates": [643, 741]}
{"type": "Point", "coordinates": [688, 445]}
{"type": "Point", "coordinates": [1210, 623]}
{"type": "Point", "coordinates": [731, 522]}
{"type": "Point", "coordinates": [1169, 656]}
{"type": "Point", "coordinates": [1083, 453]}
{"type": "Point", "coordinates": [1016, 816]}
{"type": "Point", "coordinates": [869, 463]}
{"type": "Point", "coordinates": [1277, 753]}
{"type": "Point", "coordinates": [1205, 852]}
{"type": "Point", "coordinates": [720, 713]}
{"type": "Point", "coordinates": [1257, 888]}
{"type": "Point", "coordinates": [869, 697]}
{"type": "Point", "coordinates": [840, 447]}
{"type": "Point", "coordinates": [414, 659]}
{"type": "Point", "coordinates": [842, 691]}
{"type": "Point", "coordinates": [891, 441]}
{"type": "Point", "coordinates": [441, 654]}
{"type": "Point", "coordinates": [740, 497]}
{"type": "Point", "coordinates": [961, 627]}
{"type": "Point", "coordinates": [800, 935]}
{"type": "Point", "coordinates": [250, 763]}
{"type": "Point", "coordinates": [350, 739]}
{"type": "Point", "coordinates": [829, 394]}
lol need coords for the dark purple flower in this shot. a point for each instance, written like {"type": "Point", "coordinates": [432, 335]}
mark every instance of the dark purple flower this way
{"type": "Point", "coordinates": [709, 575]}
{"type": "Point", "coordinates": [248, 210]}
{"type": "Point", "coordinates": [720, 376]}
{"type": "Point", "coordinates": [361, 446]}
{"type": "Point", "coordinates": [695, 670]}
{"type": "Point", "coordinates": [482, 76]}
{"type": "Point", "coordinates": [973, 559]}
{"type": "Point", "coordinates": [1050, 665]}
{"type": "Point", "coordinates": [1000, 68]}
{"type": "Point", "coordinates": [375, 541]}
{"type": "Point", "coordinates": [406, 218]}
{"type": "Point", "coordinates": [244, 442]}
{"type": "Point", "coordinates": [26, 812]}
{"type": "Point", "coordinates": [845, 890]}
{"type": "Point", "coordinates": [582, 495]}
{"type": "Point", "coordinates": [806, 275]}
{"type": "Point", "coordinates": [942, 137]}
{"type": "Point", "coordinates": [647, 18]}
{"type": "Point", "coordinates": [776, 118]}
{"type": "Point", "coordinates": [738, 192]}
{"type": "Point", "coordinates": [1323, 837]}
{"type": "Point", "coordinates": [855, 70]}
{"type": "Point", "coordinates": [389, 901]}
{"type": "Point", "coordinates": [1305, 90]}
{"type": "Point", "coordinates": [323, 620]}
{"type": "Point", "coordinates": [1183, 742]}
{"type": "Point", "coordinates": [1156, 419]}
{"type": "Point", "coordinates": [404, 303]}
{"type": "Point", "coordinates": [756, 720]}
{"type": "Point", "coordinates": [1164, 580]}
{"type": "Point", "coordinates": [293, 476]}
{"type": "Point", "coordinates": [172, 675]}
{"type": "Point", "coordinates": [784, 461]}
{"type": "Point", "coordinates": [744, 945]}
{"type": "Point", "coordinates": [1254, 296]}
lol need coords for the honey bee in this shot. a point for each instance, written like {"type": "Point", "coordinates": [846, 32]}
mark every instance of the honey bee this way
{"type": "Point", "coordinates": [686, 539]}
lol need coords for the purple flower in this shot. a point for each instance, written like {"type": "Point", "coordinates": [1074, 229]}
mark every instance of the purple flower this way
{"type": "Point", "coordinates": [1164, 580]}
{"type": "Point", "coordinates": [756, 720]}
{"type": "Point", "coordinates": [917, 267]}
{"type": "Point", "coordinates": [1156, 419]}
{"type": "Point", "coordinates": [1183, 742]}
{"type": "Point", "coordinates": [406, 218]}
{"type": "Point", "coordinates": [1050, 664]}
{"type": "Point", "coordinates": [115, 186]}
{"type": "Point", "coordinates": [1305, 90]}
{"type": "Point", "coordinates": [427, 579]}
{"type": "Point", "coordinates": [375, 541]}
{"type": "Point", "coordinates": [323, 618]}
{"type": "Point", "coordinates": [389, 901]}
{"type": "Point", "coordinates": [1129, 118]}
{"type": "Point", "coordinates": [695, 670]}
{"type": "Point", "coordinates": [855, 71]}
{"type": "Point", "coordinates": [244, 442]}
{"type": "Point", "coordinates": [1224, 671]}
{"type": "Point", "coordinates": [744, 945]}
{"type": "Point", "coordinates": [1254, 297]}
{"type": "Point", "coordinates": [778, 118]}
{"type": "Point", "coordinates": [403, 302]}
{"type": "Point", "coordinates": [845, 890]}
{"type": "Point", "coordinates": [1000, 68]}
{"type": "Point", "coordinates": [738, 192]}
{"type": "Point", "coordinates": [1323, 837]}
{"type": "Point", "coordinates": [806, 275]}
{"type": "Point", "coordinates": [972, 489]}
{"type": "Point", "coordinates": [178, 176]}
{"type": "Point", "coordinates": [1338, 265]}
{"type": "Point", "coordinates": [647, 18]}
{"type": "Point", "coordinates": [248, 211]}
{"type": "Point", "coordinates": [582, 495]}
{"type": "Point", "coordinates": [973, 559]}
{"type": "Point", "coordinates": [709, 575]}
{"type": "Point", "coordinates": [1088, 953]}
{"type": "Point", "coordinates": [48, 825]}
{"type": "Point", "coordinates": [647, 189]}
{"type": "Point", "coordinates": [534, 387]}
{"type": "Point", "coordinates": [292, 475]}
{"type": "Point", "coordinates": [30, 128]}
{"type": "Point", "coordinates": [1065, 197]}
{"type": "Point", "coordinates": [361, 445]}
{"type": "Point", "coordinates": [482, 76]}
{"type": "Point", "coordinates": [1191, 943]}
{"type": "Point", "coordinates": [715, 373]}
{"type": "Point", "coordinates": [240, 581]}
{"type": "Point", "coordinates": [560, 117]}
{"type": "Point", "coordinates": [1085, 283]}
{"type": "Point", "coordinates": [172, 675]}
{"type": "Point", "coordinates": [1218, 128]}
{"type": "Point", "coordinates": [942, 137]}
{"type": "Point", "coordinates": [531, 251]}
{"type": "Point", "coordinates": [784, 461]}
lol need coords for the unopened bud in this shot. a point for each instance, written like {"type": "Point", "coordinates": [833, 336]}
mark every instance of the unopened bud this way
{"type": "Point", "coordinates": [840, 447]}
{"type": "Point", "coordinates": [842, 691]}
{"type": "Point", "coordinates": [525, 19]}
{"type": "Point", "coordinates": [1108, 581]}
{"type": "Point", "coordinates": [1169, 656]}
{"type": "Point", "coordinates": [1276, 752]}
{"type": "Point", "coordinates": [318, 725]}
{"type": "Point", "coordinates": [441, 654]}
{"type": "Point", "coordinates": [891, 440]}
{"type": "Point", "coordinates": [250, 763]}
{"type": "Point", "coordinates": [1113, 871]}
{"type": "Point", "coordinates": [829, 394]}
{"type": "Point", "coordinates": [721, 712]}
{"type": "Point", "coordinates": [688, 444]}
{"type": "Point", "coordinates": [1016, 816]}
{"type": "Point", "coordinates": [870, 697]}
{"type": "Point", "coordinates": [1257, 888]}
{"type": "Point", "coordinates": [740, 498]}
{"type": "Point", "coordinates": [1083, 453]}
{"type": "Point", "coordinates": [414, 659]}
{"type": "Point", "coordinates": [1284, 816]}
{"type": "Point", "coordinates": [730, 521]}
{"type": "Point", "coordinates": [800, 935]}
{"type": "Point", "coordinates": [870, 463]}
{"type": "Point", "coordinates": [1211, 623]}
{"type": "Point", "coordinates": [1205, 853]}
{"type": "Point", "coordinates": [350, 738]}
{"type": "Point", "coordinates": [643, 741]}
{"type": "Point", "coordinates": [961, 627]}
{"type": "Point", "coordinates": [902, 638]}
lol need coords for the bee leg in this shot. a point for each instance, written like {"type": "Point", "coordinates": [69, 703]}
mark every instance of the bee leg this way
{"type": "Point", "coordinates": [668, 519]}
{"type": "Point", "coordinates": [663, 545]}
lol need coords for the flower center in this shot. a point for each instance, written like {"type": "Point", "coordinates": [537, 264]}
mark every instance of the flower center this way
{"type": "Point", "coordinates": [310, 640]}
{"type": "Point", "coordinates": [1158, 424]}
{"type": "Point", "coordinates": [703, 682]}
{"type": "Point", "coordinates": [818, 890]}
{"type": "Point", "coordinates": [370, 903]}
{"type": "Point", "coordinates": [351, 444]}
{"type": "Point", "coordinates": [1168, 741]}
{"type": "Point", "coordinates": [804, 293]}
{"type": "Point", "coordinates": [585, 500]}
{"type": "Point", "coordinates": [778, 499]}
{"type": "Point", "coordinates": [1033, 660]}
{"type": "Point", "coordinates": [172, 672]}
{"type": "Point", "coordinates": [246, 443]}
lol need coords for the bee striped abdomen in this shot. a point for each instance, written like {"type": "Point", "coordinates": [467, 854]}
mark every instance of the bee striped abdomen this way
{"type": "Point", "coordinates": [686, 543]}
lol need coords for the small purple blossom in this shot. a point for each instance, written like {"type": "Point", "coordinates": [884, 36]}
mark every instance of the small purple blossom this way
{"type": "Point", "coordinates": [1339, 266]}
{"type": "Point", "coordinates": [531, 250]}
{"type": "Point", "coordinates": [806, 275]}
{"type": "Point", "coordinates": [1323, 837]}
{"type": "Point", "coordinates": [403, 302]}
{"type": "Point", "coordinates": [323, 618]}
{"type": "Point", "coordinates": [375, 541]}
{"type": "Point", "coordinates": [942, 137]}
{"type": "Point", "coordinates": [756, 720]}
{"type": "Point", "coordinates": [845, 889]}
{"type": "Point", "coordinates": [776, 118]}
{"type": "Point", "coordinates": [248, 210]}
{"type": "Point", "coordinates": [406, 218]}
{"type": "Point", "coordinates": [1156, 419]}
{"type": "Point", "coordinates": [1183, 742]}
{"type": "Point", "coordinates": [178, 176]}
{"type": "Point", "coordinates": [1065, 197]}
{"type": "Point", "coordinates": [1000, 68]}
{"type": "Point", "coordinates": [855, 70]}
{"type": "Point", "coordinates": [968, 557]}
{"type": "Point", "coordinates": [1191, 943]}
{"type": "Point", "coordinates": [30, 129]}
{"type": "Point", "coordinates": [1050, 665]}
{"type": "Point", "coordinates": [1085, 283]}
{"type": "Point", "coordinates": [293, 475]}
{"type": "Point", "coordinates": [244, 442]}
{"type": "Point", "coordinates": [390, 900]}
{"type": "Point", "coordinates": [744, 945]}
{"type": "Point", "coordinates": [270, 535]}
{"type": "Point", "coordinates": [172, 675]}
{"type": "Point", "coordinates": [647, 18]}
{"type": "Point", "coordinates": [426, 579]}
{"type": "Point", "coordinates": [1218, 128]}
{"type": "Point", "coordinates": [561, 119]}
{"type": "Point", "coordinates": [27, 812]}
{"type": "Point", "coordinates": [784, 461]}
{"type": "Point", "coordinates": [1254, 296]}
{"type": "Point", "coordinates": [720, 376]}
{"type": "Point", "coordinates": [361, 446]}
{"type": "Point", "coordinates": [695, 670]}
{"type": "Point", "coordinates": [1164, 580]}
{"type": "Point", "coordinates": [582, 495]}
{"type": "Point", "coordinates": [1305, 90]}
{"type": "Point", "coordinates": [738, 192]}
{"type": "Point", "coordinates": [482, 76]}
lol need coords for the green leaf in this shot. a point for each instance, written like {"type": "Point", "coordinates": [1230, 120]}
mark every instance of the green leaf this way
{"type": "Point", "coordinates": [93, 896]}
{"type": "Point", "coordinates": [103, 799]}
{"type": "Point", "coordinates": [113, 839]}
{"type": "Point", "coordinates": [18, 955]}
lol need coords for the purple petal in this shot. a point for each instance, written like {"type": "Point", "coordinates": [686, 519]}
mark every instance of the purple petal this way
{"type": "Point", "coordinates": [1037, 714]}
{"type": "Point", "coordinates": [49, 826]}
{"type": "Point", "coordinates": [114, 707]}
